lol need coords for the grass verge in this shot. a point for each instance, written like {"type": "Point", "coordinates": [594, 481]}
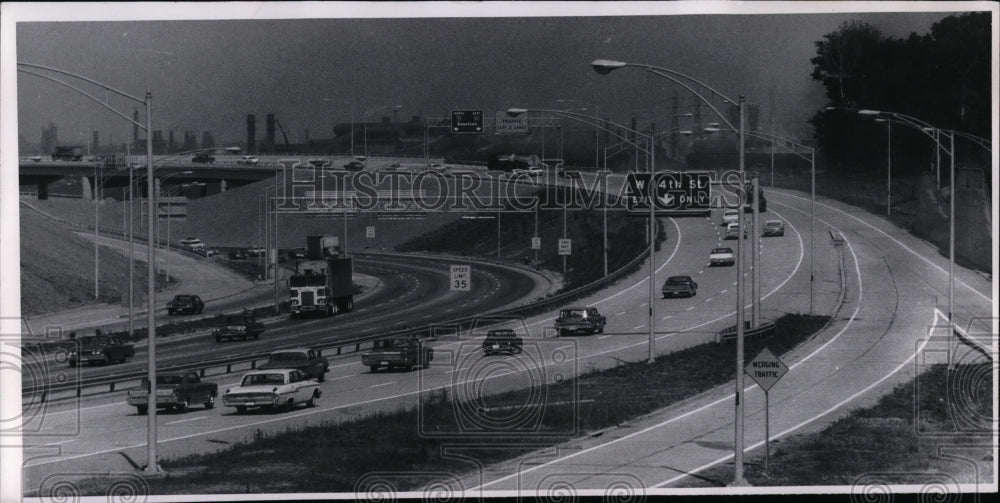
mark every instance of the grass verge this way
{"type": "Point", "coordinates": [334, 457]}
{"type": "Point", "coordinates": [948, 442]}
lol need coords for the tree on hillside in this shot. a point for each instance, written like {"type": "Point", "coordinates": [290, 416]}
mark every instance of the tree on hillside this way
{"type": "Point", "coordinates": [942, 78]}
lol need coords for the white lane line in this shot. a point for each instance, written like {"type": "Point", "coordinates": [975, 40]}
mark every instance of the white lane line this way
{"type": "Point", "coordinates": [668, 316]}
{"type": "Point", "coordinates": [637, 328]}
{"type": "Point", "coordinates": [58, 443]}
{"type": "Point", "coordinates": [604, 336]}
{"type": "Point", "coordinates": [449, 385]}
{"type": "Point", "coordinates": [383, 384]}
{"type": "Point", "coordinates": [724, 291]}
{"type": "Point", "coordinates": [341, 377]}
{"type": "Point", "coordinates": [644, 304]}
{"type": "Point", "coordinates": [187, 420]}
{"type": "Point", "coordinates": [690, 308]}
{"type": "Point", "coordinates": [725, 399]}
{"type": "Point", "coordinates": [894, 240]}
{"type": "Point", "coordinates": [621, 313]}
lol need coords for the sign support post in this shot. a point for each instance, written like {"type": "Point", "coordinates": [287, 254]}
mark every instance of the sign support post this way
{"type": "Point", "coordinates": [766, 369]}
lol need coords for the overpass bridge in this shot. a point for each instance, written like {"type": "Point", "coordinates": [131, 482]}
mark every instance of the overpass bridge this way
{"type": "Point", "coordinates": [226, 172]}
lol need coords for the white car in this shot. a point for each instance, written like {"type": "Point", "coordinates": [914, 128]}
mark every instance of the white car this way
{"type": "Point", "coordinates": [730, 217]}
{"type": "Point", "coordinates": [532, 171]}
{"type": "Point", "coordinates": [773, 228]}
{"type": "Point", "coordinates": [192, 244]}
{"type": "Point", "coordinates": [249, 160]}
{"type": "Point", "coordinates": [733, 231]}
{"type": "Point", "coordinates": [284, 388]}
{"type": "Point", "coordinates": [721, 256]}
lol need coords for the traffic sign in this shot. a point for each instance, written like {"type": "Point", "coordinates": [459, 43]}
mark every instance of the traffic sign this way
{"type": "Point", "coordinates": [565, 246]}
{"type": "Point", "coordinates": [370, 231]}
{"type": "Point", "coordinates": [674, 192]}
{"type": "Point", "coordinates": [766, 369]}
{"type": "Point", "coordinates": [507, 123]}
{"type": "Point", "coordinates": [461, 278]}
{"type": "Point", "coordinates": [536, 243]}
{"type": "Point", "coordinates": [467, 121]}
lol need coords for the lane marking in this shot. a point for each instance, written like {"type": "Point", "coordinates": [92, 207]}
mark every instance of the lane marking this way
{"type": "Point", "coordinates": [382, 384]}
{"type": "Point", "coordinates": [880, 231]}
{"type": "Point", "coordinates": [187, 420]}
{"type": "Point", "coordinates": [725, 399]}
{"type": "Point", "coordinates": [445, 386]}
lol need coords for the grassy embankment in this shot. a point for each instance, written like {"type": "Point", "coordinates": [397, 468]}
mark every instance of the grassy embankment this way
{"type": "Point", "coordinates": [334, 456]}
{"type": "Point", "coordinates": [478, 238]}
{"type": "Point", "coordinates": [887, 444]}
{"type": "Point", "coordinates": [57, 269]}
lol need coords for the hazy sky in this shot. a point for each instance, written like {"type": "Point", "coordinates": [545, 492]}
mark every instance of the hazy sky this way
{"type": "Point", "coordinates": [208, 74]}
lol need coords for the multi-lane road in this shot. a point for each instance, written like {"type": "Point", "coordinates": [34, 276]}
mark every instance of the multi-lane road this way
{"type": "Point", "coordinates": [882, 287]}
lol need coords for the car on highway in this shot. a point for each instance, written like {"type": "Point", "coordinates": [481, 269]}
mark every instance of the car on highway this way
{"type": "Point", "coordinates": [580, 320]}
{"type": "Point", "coordinates": [773, 228]}
{"type": "Point", "coordinates": [209, 252]}
{"type": "Point", "coordinates": [192, 244]}
{"type": "Point", "coordinates": [190, 304]}
{"type": "Point", "coordinates": [203, 158]}
{"type": "Point", "coordinates": [721, 256]}
{"type": "Point", "coordinates": [679, 286]}
{"type": "Point", "coordinates": [730, 217]}
{"type": "Point", "coordinates": [257, 251]}
{"type": "Point", "coordinates": [733, 231]}
{"type": "Point", "coordinates": [398, 352]}
{"type": "Point", "coordinates": [298, 253]}
{"type": "Point", "coordinates": [174, 391]}
{"type": "Point", "coordinates": [241, 326]}
{"type": "Point", "coordinates": [249, 160]}
{"type": "Point", "coordinates": [238, 255]}
{"type": "Point", "coordinates": [103, 349]}
{"type": "Point", "coordinates": [272, 389]}
{"type": "Point", "coordinates": [532, 171]}
{"type": "Point", "coordinates": [310, 362]}
{"type": "Point", "coordinates": [354, 166]}
{"type": "Point", "coordinates": [502, 341]}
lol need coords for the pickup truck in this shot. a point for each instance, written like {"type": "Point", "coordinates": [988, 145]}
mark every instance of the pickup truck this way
{"type": "Point", "coordinates": [176, 391]}
{"type": "Point", "coordinates": [679, 285]}
{"type": "Point", "coordinates": [185, 304]}
{"type": "Point", "coordinates": [721, 256]}
{"type": "Point", "coordinates": [584, 320]}
{"type": "Point", "coordinates": [237, 326]}
{"type": "Point", "coordinates": [308, 361]}
{"type": "Point", "coordinates": [284, 388]}
{"type": "Point", "coordinates": [404, 352]}
{"type": "Point", "coordinates": [502, 341]}
{"type": "Point", "coordinates": [101, 349]}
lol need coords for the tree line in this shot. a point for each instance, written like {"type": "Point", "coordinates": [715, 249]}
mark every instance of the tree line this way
{"type": "Point", "coordinates": [942, 78]}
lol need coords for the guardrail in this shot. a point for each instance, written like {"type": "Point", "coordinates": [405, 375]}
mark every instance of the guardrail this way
{"type": "Point", "coordinates": [108, 384]}
{"type": "Point", "coordinates": [111, 383]}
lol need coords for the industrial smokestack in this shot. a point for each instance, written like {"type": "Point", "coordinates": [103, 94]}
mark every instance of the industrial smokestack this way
{"type": "Point", "coordinates": [251, 134]}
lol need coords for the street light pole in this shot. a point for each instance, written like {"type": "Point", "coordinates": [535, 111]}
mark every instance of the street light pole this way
{"type": "Point", "coordinates": [97, 208]}
{"type": "Point", "coordinates": [738, 478]}
{"type": "Point", "coordinates": [152, 465]}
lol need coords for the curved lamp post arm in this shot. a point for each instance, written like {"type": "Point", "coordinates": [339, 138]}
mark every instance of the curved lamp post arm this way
{"type": "Point", "coordinates": [664, 73]}
{"type": "Point", "coordinates": [85, 93]}
{"type": "Point", "coordinates": [581, 118]}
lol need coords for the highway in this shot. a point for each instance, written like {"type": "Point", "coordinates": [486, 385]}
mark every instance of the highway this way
{"type": "Point", "coordinates": [110, 429]}
{"type": "Point", "coordinates": [882, 300]}
{"type": "Point", "coordinates": [895, 293]}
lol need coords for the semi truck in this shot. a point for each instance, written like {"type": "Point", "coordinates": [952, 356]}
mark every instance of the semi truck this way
{"type": "Point", "coordinates": [323, 283]}
{"type": "Point", "coordinates": [70, 153]}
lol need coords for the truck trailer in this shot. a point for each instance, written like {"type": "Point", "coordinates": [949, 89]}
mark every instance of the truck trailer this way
{"type": "Point", "coordinates": [323, 283]}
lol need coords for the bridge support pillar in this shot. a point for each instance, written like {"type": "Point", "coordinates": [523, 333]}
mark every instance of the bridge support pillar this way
{"type": "Point", "coordinates": [86, 187]}
{"type": "Point", "coordinates": [43, 189]}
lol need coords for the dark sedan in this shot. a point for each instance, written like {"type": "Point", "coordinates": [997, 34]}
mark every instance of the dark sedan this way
{"type": "Point", "coordinates": [190, 304]}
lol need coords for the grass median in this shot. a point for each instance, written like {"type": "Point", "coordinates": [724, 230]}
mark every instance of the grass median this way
{"type": "Point", "coordinates": [334, 457]}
